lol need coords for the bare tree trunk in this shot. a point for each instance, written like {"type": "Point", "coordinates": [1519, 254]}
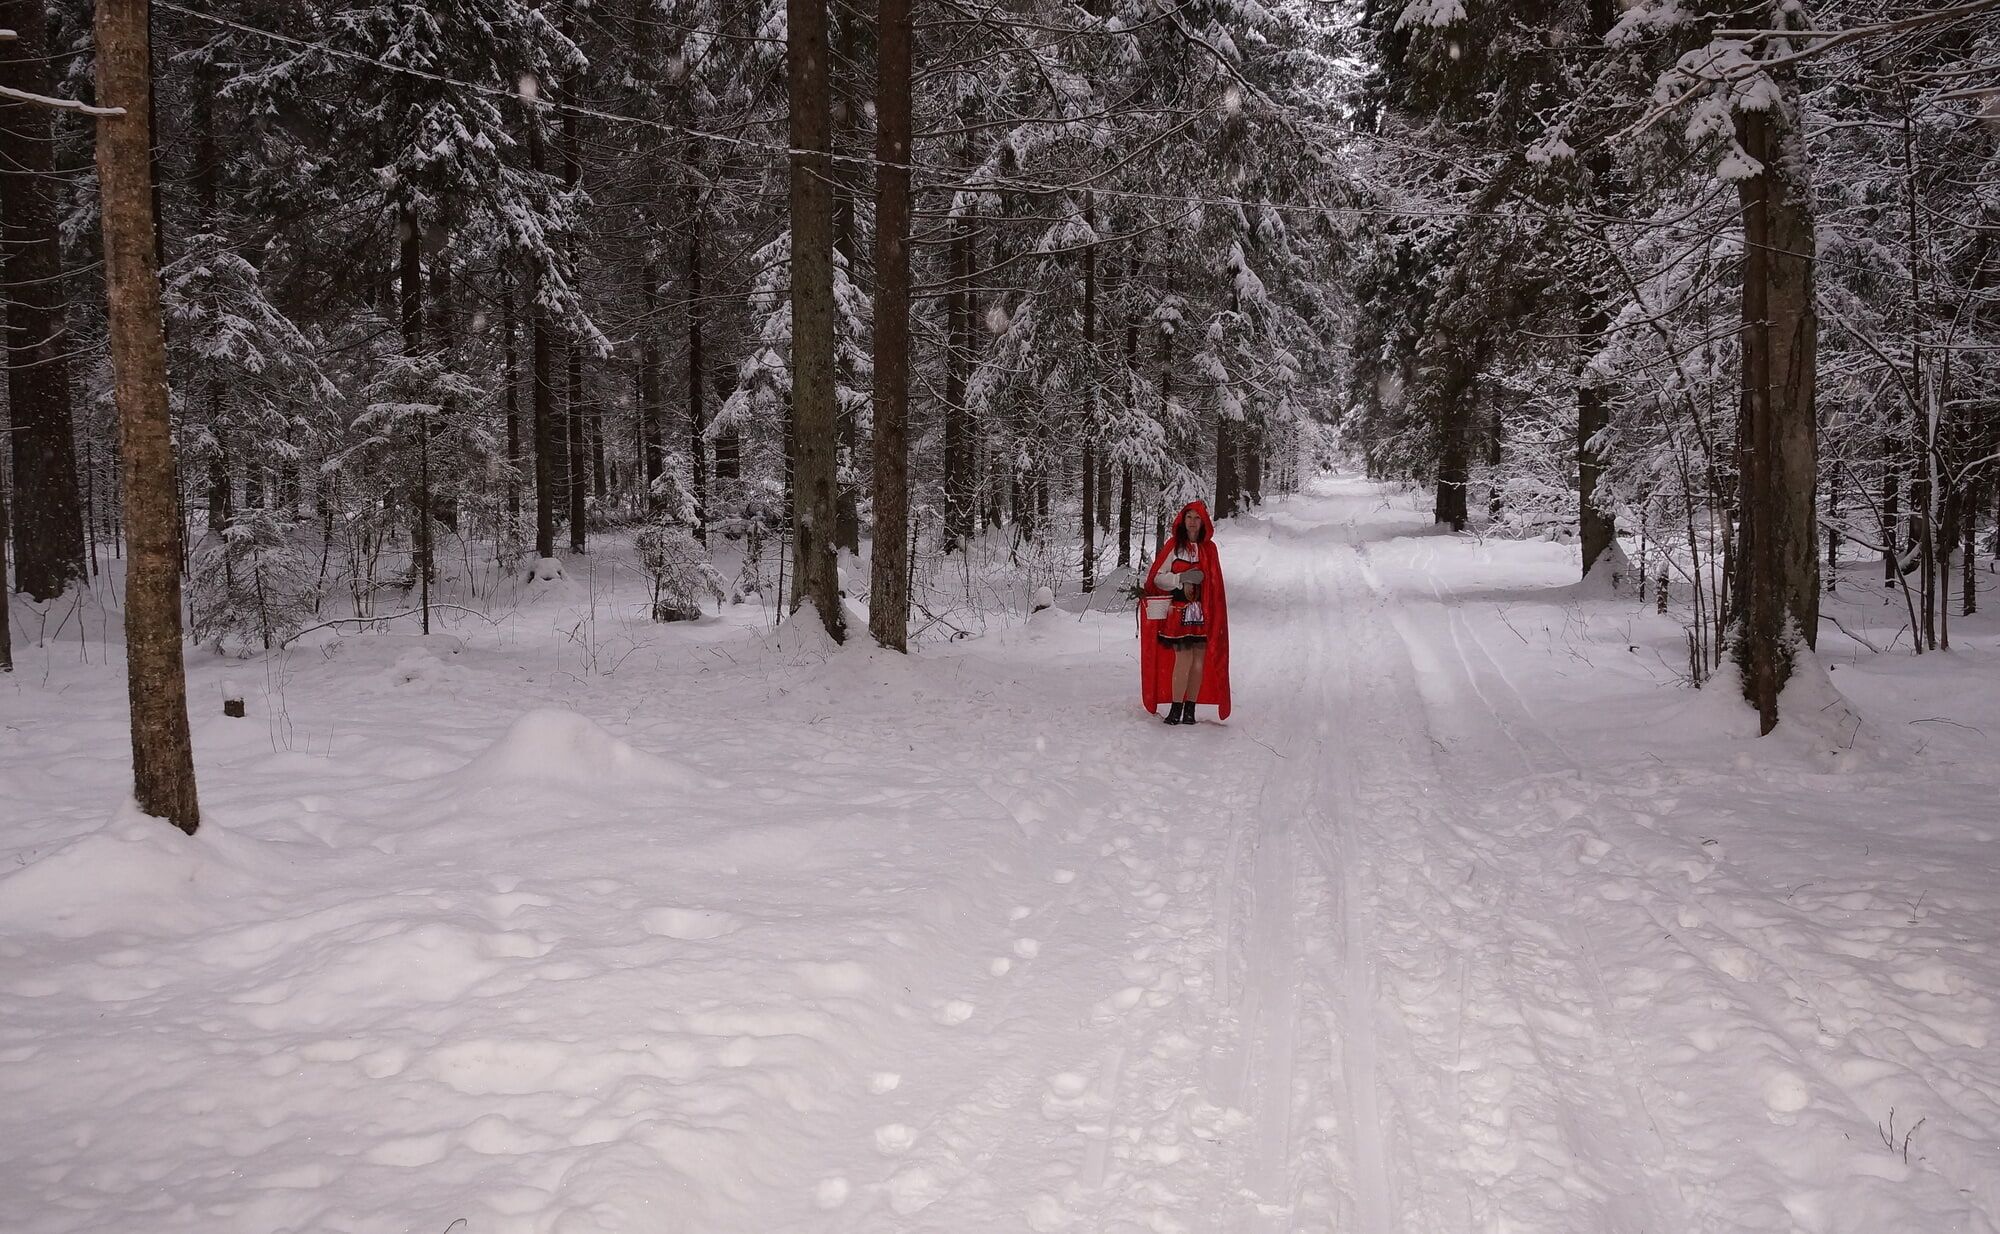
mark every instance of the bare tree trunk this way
{"type": "Point", "coordinates": [697, 317]}
{"type": "Point", "coordinates": [958, 428]}
{"type": "Point", "coordinates": [573, 406]}
{"type": "Point", "coordinates": [162, 751]}
{"type": "Point", "coordinates": [1228, 489]}
{"type": "Point", "coordinates": [577, 465]}
{"type": "Point", "coordinates": [6, 635]}
{"type": "Point", "coordinates": [541, 366]}
{"type": "Point", "coordinates": [1452, 418]}
{"type": "Point", "coordinates": [1089, 464]}
{"type": "Point", "coordinates": [847, 457]}
{"type": "Point", "coordinates": [510, 382]}
{"type": "Point", "coordinates": [1125, 468]}
{"type": "Point", "coordinates": [1597, 529]}
{"type": "Point", "coordinates": [815, 494]}
{"type": "Point", "coordinates": [411, 283]}
{"type": "Point", "coordinates": [1777, 612]}
{"type": "Point", "coordinates": [48, 512]}
{"type": "Point", "coordinates": [652, 391]}
{"type": "Point", "coordinates": [889, 586]}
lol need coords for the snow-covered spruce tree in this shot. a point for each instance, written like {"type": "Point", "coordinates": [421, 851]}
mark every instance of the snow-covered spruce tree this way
{"type": "Point", "coordinates": [1741, 101]}
{"type": "Point", "coordinates": [1491, 224]}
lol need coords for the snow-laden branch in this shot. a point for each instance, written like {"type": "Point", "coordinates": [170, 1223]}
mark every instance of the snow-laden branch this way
{"type": "Point", "coordinates": [44, 100]}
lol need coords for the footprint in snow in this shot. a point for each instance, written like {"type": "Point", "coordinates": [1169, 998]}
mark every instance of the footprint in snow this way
{"type": "Point", "coordinates": [893, 1138]}
{"type": "Point", "coordinates": [957, 1011]}
{"type": "Point", "coordinates": [831, 1193]}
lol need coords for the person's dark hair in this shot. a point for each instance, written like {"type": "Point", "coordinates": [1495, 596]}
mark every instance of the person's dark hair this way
{"type": "Point", "coordinates": [1181, 537]}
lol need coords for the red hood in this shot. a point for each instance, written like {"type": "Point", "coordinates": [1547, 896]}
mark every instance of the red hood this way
{"type": "Point", "coordinates": [1200, 507]}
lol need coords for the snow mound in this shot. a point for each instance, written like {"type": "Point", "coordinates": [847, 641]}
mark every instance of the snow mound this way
{"type": "Point", "coordinates": [552, 746]}
{"type": "Point", "coordinates": [545, 570]}
{"type": "Point", "coordinates": [1611, 574]}
{"type": "Point", "coordinates": [804, 634]}
{"type": "Point", "coordinates": [136, 873]}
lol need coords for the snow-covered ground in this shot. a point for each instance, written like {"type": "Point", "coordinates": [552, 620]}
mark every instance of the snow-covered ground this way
{"type": "Point", "coordinates": [1471, 919]}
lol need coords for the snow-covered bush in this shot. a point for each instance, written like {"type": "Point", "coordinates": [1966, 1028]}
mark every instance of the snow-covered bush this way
{"type": "Point", "coordinates": [678, 572]}
{"type": "Point", "coordinates": [254, 584]}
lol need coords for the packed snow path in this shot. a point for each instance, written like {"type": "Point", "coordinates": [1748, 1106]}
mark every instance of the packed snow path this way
{"type": "Point", "coordinates": [1463, 922]}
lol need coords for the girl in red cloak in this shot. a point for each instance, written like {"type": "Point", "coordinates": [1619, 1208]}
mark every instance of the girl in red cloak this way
{"type": "Point", "coordinates": [1184, 657]}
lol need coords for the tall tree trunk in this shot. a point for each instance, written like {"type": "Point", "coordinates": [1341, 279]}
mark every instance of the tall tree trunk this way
{"type": "Point", "coordinates": [6, 635]}
{"type": "Point", "coordinates": [889, 583]}
{"type": "Point", "coordinates": [1253, 463]}
{"type": "Point", "coordinates": [847, 460]}
{"type": "Point", "coordinates": [652, 385]}
{"type": "Point", "coordinates": [1228, 488]}
{"type": "Point", "coordinates": [600, 480]}
{"type": "Point", "coordinates": [541, 333]}
{"type": "Point", "coordinates": [1597, 527]}
{"type": "Point", "coordinates": [1595, 524]}
{"type": "Point", "coordinates": [1125, 468]}
{"type": "Point", "coordinates": [958, 428]}
{"type": "Point", "coordinates": [162, 751]}
{"type": "Point", "coordinates": [1089, 463]}
{"type": "Point", "coordinates": [1778, 563]}
{"type": "Point", "coordinates": [1454, 437]}
{"type": "Point", "coordinates": [815, 568]}
{"type": "Point", "coordinates": [411, 302]}
{"type": "Point", "coordinates": [577, 464]}
{"type": "Point", "coordinates": [573, 405]}
{"type": "Point", "coordinates": [511, 383]}
{"type": "Point", "coordinates": [48, 510]}
{"type": "Point", "coordinates": [697, 317]}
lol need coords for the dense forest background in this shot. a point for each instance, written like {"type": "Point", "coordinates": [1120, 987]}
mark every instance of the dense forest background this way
{"type": "Point", "coordinates": [1711, 287]}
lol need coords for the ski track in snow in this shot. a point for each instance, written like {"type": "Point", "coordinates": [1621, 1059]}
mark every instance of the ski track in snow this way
{"type": "Point", "coordinates": [754, 937]}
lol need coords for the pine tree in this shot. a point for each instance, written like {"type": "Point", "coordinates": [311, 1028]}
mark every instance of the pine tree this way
{"type": "Point", "coordinates": [162, 751]}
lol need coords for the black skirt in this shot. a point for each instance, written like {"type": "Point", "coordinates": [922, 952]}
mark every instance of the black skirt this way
{"type": "Point", "coordinates": [1184, 641]}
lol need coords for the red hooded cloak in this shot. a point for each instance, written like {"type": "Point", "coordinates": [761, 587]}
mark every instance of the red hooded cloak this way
{"type": "Point", "coordinates": [1156, 663]}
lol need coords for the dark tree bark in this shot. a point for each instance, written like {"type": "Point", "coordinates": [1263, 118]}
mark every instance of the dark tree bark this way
{"type": "Point", "coordinates": [162, 752]}
{"type": "Point", "coordinates": [815, 569]}
{"type": "Point", "coordinates": [1777, 613]}
{"type": "Point", "coordinates": [1089, 464]}
{"type": "Point", "coordinates": [958, 430]}
{"type": "Point", "coordinates": [1452, 418]}
{"type": "Point", "coordinates": [1125, 469]}
{"type": "Point", "coordinates": [48, 510]}
{"type": "Point", "coordinates": [1595, 524]}
{"type": "Point", "coordinates": [411, 302]}
{"type": "Point", "coordinates": [889, 584]}
{"type": "Point", "coordinates": [541, 363]}
{"type": "Point", "coordinates": [847, 49]}
{"type": "Point", "coordinates": [6, 635]}
{"type": "Point", "coordinates": [697, 316]}
{"type": "Point", "coordinates": [652, 385]}
{"type": "Point", "coordinates": [575, 468]}
{"type": "Point", "coordinates": [1228, 486]}
{"type": "Point", "coordinates": [1253, 464]}
{"type": "Point", "coordinates": [1597, 528]}
{"type": "Point", "coordinates": [577, 465]}
{"type": "Point", "coordinates": [510, 382]}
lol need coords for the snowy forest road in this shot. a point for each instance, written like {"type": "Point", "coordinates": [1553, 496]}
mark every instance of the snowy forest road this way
{"type": "Point", "coordinates": [1352, 685]}
{"type": "Point", "coordinates": [1467, 920]}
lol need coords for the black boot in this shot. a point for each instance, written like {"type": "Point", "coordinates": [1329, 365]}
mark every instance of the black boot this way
{"type": "Point", "coordinates": [1187, 716]}
{"type": "Point", "coordinates": [1173, 715]}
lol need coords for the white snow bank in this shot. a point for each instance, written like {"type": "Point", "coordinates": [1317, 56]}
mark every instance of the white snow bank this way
{"type": "Point", "coordinates": [136, 873]}
{"type": "Point", "coordinates": [552, 746]}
